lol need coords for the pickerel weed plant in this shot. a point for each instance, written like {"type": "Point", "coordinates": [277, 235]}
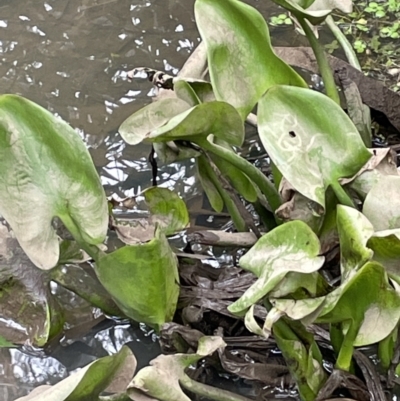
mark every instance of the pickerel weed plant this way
{"type": "Point", "coordinates": [342, 192]}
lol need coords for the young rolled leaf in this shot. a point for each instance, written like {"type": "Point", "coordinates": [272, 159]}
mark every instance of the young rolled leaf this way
{"type": "Point", "coordinates": [241, 60]}
{"type": "Point", "coordinates": [303, 364]}
{"type": "Point", "coordinates": [143, 280]}
{"type": "Point", "coordinates": [46, 171]}
{"type": "Point", "coordinates": [291, 247]}
{"type": "Point", "coordinates": [304, 132]}
{"type": "Point", "coordinates": [354, 232]}
{"type": "Point", "coordinates": [204, 172]}
{"type": "Point", "coordinates": [88, 382]}
{"type": "Point", "coordinates": [136, 128]}
{"type": "Point", "coordinates": [218, 118]}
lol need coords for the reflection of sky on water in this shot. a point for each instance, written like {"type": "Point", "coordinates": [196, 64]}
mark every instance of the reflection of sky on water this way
{"type": "Point", "coordinates": [23, 369]}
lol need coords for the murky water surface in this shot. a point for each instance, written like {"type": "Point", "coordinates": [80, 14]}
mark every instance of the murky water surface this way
{"type": "Point", "coordinates": [72, 57]}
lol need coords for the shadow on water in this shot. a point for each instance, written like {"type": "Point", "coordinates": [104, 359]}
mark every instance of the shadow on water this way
{"type": "Point", "coordinates": [72, 57]}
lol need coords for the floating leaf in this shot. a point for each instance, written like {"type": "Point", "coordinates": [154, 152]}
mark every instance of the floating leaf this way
{"type": "Point", "coordinates": [136, 128]}
{"type": "Point", "coordinates": [241, 60]}
{"type": "Point", "coordinates": [143, 280]}
{"type": "Point", "coordinates": [46, 172]}
{"type": "Point", "coordinates": [382, 204]}
{"type": "Point", "coordinates": [354, 232]}
{"type": "Point", "coordinates": [304, 131]}
{"type": "Point", "coordinates": [162, 379]}
{"type": "Point", "coordinates": [88, 382]}
{"type": "Point", "coordinates": [217, 118]}
{"type": "Point", "coordinates": [291, 247]}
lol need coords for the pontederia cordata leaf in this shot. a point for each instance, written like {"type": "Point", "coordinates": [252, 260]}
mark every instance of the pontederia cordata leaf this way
{"type": "Point", "coordinates": [46, 171]}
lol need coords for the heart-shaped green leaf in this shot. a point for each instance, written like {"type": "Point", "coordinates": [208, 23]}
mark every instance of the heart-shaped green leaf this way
{"type": "Point", "coordinates": [136, 128]}
{"type": "Point", "coordinates": [368, 301]}
{"type": "Point", "coordinates": [143, 280]}
{"type": "Point", "coordinates": [88, 382]}
{"type": "Point", "coordinates": [218, 118]}
{"type": "Point", "coordinates": [291, 247]}
{"type": "Point", "coordinates": [241, 60]}
{"type": "Point", "coordinates": [304, 132]}
{"type": "Point", "coordinates": [167, 208]}
{"type": "Point", "coordinates": [46, 171]}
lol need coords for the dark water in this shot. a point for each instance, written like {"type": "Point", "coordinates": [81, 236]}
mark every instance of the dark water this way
{"type": "Point", "coordinates": [72, 57]}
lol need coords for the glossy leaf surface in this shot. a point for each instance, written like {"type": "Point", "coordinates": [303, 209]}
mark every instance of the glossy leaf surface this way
{"type": "Point", "coordinates": [291, 247]}
{"type": "Point", "coordinates": [241, 60]}
{"type": "Point", "coordinates": [304, 132]}
{"type": "Point", "coordinates": [143, 280]}
{"type": "Point", "coordinates": [46, 171]}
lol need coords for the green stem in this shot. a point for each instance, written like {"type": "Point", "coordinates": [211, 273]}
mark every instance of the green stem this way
{"type": "Point", "coordinates": [346, 350]}
{"type": "Point", "coordinates": [342, 196]}
{"type": "Point", "coordinates": [346, 45]}
{"type": "Point", "coordinates": [265, 185]}
{"type": "Point", "coordinates": [92, 250]}
{"type": "Point", "coordinates": [207, 391]}
{"type": "Point", "coordinates": [322, 60]}
{"type": "Point", "coordinates": [235, 215]}
{"type": "Point", "coordinates": [386, 349]}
